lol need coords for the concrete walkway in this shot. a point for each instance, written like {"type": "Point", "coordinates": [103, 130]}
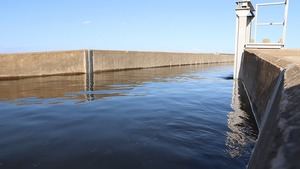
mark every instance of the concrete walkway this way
{"type": "Point", "coordinates": [283, 55]}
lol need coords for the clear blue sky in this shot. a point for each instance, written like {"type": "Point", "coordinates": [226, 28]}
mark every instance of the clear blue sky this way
{"type": "Point", "coordinates": [159, 25]}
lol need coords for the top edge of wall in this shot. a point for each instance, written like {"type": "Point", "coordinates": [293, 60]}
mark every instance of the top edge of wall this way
{"type": "Point", "coordinates": [112, 51]}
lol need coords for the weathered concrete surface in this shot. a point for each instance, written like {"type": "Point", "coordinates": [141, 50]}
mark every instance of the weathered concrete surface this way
{"type": "Point", "coordinates": [78, 62]}
{"type": "Point", "coordinates": [118, 60]}
{"type": "Point", "coordinates": [42, 63]}
{"type": "Point", "coordinates": [272, 79]}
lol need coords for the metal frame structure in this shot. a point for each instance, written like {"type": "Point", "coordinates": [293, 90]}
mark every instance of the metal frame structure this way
{"type": "Point", "coordinates": [283, 23]}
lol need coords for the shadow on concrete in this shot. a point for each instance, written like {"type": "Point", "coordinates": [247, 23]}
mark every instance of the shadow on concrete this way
{"type": "Point", "coordinates": [278, 143]}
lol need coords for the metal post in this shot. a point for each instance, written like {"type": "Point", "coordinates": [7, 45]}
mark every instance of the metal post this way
{"type": "Point", "coordinates": [245, 14]}
{"type": "Point", "coordinates": [256, 23]}
{"type": "Point", "coordinates": [285, 21]}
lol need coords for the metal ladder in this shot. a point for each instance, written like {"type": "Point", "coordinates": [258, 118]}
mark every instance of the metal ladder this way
{"type": "Point", "coordinates": [257, 24]}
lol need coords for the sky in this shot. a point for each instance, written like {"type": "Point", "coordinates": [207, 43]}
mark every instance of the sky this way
{"type": "Point", "coordinates": [143, 25]}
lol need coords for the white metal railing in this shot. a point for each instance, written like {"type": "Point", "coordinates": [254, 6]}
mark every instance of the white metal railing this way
{"type": "Point", "coordinates": [257, 24]}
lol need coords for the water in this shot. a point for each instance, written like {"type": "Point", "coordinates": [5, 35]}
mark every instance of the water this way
{"type": "Point", "coordinates": [163, 118]}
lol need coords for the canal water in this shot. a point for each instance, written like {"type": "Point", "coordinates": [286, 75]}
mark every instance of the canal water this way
{"type": "Point", "coordinates": [186, 117]}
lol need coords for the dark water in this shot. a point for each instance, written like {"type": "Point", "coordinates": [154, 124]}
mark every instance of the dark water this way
{"type": "Point", "coordinates": [163, 118]}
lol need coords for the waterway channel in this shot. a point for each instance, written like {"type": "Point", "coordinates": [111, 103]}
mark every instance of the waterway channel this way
{"type": "Point", "coordinates": [186, 117]}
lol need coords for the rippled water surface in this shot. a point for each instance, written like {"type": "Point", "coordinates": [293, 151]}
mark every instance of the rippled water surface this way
{"type": "Point", "coordinates": [162, 118]}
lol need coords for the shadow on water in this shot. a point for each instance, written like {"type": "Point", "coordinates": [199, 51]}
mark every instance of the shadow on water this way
{"type": "Point", "coordinates": [230, 77]}
{"type": "Point", "coordinates": [241, 122]}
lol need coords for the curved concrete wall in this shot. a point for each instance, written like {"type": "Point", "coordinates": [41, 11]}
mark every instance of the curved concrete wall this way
{"type": "Point", "coordinates": [272, 80]}
{"type": "Point", "coordinates": [260, 77]}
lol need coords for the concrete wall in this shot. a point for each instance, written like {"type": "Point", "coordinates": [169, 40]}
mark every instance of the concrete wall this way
{"type": "Point", "coordinates": [43, 63]}
{"type": "Point", "coordinates": [115, 60]}
{"type": "Point", "coordinates": [83, 61]}
{"type": "Point", "coordinates": [272, 80]}
{"type": "Point", "coordinates": [260, 78]}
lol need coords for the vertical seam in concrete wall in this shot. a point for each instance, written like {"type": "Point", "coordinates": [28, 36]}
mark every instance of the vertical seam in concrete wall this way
{"type": "Point", "coordinates": [85, 61]}
{"type": "Point", "coordinates": [89, 69]}
{"type": "Point", "coordinates": [89, 81]}
{"type": "Point", "coordinates": [89, 59]}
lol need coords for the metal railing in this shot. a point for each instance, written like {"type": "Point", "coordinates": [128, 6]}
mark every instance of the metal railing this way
{"type": "Point", "coordinates": [257, 24]}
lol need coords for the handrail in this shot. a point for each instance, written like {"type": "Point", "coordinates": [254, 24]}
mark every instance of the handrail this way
{"type": "Point", "coordinates": [283, 23]}
{"type": "Point", "coordinates": [271, 3]}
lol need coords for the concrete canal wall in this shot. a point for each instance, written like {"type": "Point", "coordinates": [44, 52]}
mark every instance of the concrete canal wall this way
{"type": "Point", "coordinates": [116, 60]}
{"type": "Point", "coordinates": [272, 80]}
{"type": "Point", "coordinates": [84, 61]}
{"type": "Point", "coordinates": [41, 63]}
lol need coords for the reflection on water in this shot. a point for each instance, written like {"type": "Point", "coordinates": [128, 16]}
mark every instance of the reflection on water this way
{"type": "Point", "coordinates": [150, 118]}
{"type": "Point", "coordinates": [77, 87]}
{"type": "Point", "coordinates": [241, 122]}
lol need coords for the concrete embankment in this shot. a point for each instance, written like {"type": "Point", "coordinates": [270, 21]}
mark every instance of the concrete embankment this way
{"type": "Point", "coordinates": [85, 61]}
{"type": "Point", "coordinates": [272, 80]}
{"type": "Point", "coordinates": [115, 60]}
{"type": "Point", "coordinates": [41, 63]}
